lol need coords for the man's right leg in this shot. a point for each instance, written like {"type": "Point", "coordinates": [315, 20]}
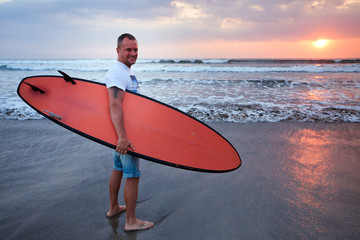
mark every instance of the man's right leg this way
{"type": "Point", "coordinates": [114, 187]}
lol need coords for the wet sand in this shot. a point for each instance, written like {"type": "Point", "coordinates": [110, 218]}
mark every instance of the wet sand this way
{"type": "Point", "coordinates": [297, 181]}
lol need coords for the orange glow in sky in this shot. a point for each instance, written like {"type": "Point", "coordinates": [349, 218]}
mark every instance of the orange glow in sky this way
{"type": "Point", "coordinates": [321, 43]}
{"type": "Point", "coordinates": [182, 28]}
{"type": "Point", "coordinates": [346, 48]}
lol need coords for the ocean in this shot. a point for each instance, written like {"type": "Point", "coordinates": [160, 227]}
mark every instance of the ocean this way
{"type": "Point", "coordinates": [216, 90]}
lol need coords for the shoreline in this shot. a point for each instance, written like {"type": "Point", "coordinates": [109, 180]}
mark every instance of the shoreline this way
{"type": "Point", "coordinates": [297, 180]}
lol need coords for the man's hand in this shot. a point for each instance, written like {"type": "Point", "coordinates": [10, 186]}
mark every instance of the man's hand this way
{"type": "Point", "coordinates": [123, 145]}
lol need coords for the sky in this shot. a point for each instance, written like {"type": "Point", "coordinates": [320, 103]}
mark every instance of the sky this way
{"type": "Point", "coordinates": [53, 29]}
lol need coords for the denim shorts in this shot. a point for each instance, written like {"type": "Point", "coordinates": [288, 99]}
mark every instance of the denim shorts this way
{"type": "Point", "coordinates": [127, 164]}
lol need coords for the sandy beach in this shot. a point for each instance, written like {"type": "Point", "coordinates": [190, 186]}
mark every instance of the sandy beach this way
{"type": "Point", "coordinates": [297, 181]}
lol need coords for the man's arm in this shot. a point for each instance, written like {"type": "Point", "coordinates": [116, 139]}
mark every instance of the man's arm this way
{"type": "Point", "coordinates": [116, 97]}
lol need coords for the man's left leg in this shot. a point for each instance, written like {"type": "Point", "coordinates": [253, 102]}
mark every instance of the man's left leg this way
{"type": "Point", "coordinates": [130, 195]}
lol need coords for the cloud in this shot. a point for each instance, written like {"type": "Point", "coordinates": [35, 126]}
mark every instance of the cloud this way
{"type": "Point", "coordinates": [4, 1]}
{"type": "Point", "coordinates": [59, 23]}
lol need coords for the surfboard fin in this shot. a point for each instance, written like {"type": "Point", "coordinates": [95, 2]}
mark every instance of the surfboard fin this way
{"type": "Point", "coordinates": [67, 77]}
{"type": "Point", "coordinates": [53, 114]}
{"type": "Point", "coordinates": [36, 89]}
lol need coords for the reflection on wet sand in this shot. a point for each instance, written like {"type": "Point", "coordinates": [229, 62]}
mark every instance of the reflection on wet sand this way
{"type": "Point", "coordinates": [310, 154]}
{"type": "Point", "coordinates": [309, 169]}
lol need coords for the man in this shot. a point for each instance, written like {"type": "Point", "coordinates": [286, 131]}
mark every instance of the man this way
{"type": "Point", "coordinates": [118, 79]}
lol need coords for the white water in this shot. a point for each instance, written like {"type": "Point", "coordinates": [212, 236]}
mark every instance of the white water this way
{"type": "Point", "coordinates": [216, 89]}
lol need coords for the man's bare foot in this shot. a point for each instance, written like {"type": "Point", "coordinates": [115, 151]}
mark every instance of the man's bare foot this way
{"type": "Point", "coordinates": [116, 211]}
{"type": "Point", "coordinates": [139, 225]}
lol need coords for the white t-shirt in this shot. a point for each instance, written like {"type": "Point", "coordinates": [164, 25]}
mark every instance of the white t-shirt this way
{"type": "Point", "coordinates": [121, 76]}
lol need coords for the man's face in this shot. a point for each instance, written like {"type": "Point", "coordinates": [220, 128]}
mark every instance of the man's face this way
{"type": "Point", "coordinates": [128, 52]}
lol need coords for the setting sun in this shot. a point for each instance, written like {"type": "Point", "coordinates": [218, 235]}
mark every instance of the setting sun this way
{"type": "Point", "coordinates": [320, 43]}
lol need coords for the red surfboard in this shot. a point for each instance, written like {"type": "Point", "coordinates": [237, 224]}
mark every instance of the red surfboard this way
{"type": "Point", "coordinates": [159, 132]}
